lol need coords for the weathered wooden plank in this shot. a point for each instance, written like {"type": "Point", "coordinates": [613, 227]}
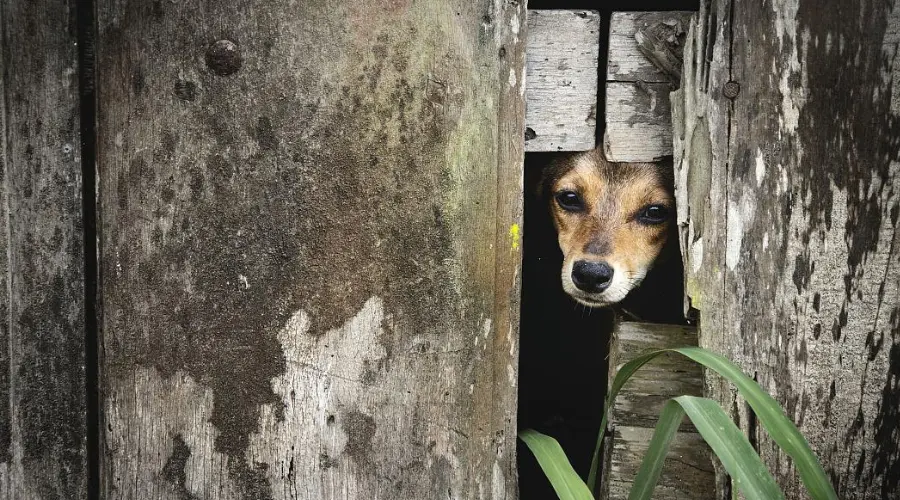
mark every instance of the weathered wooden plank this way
{"type": "Point", "coordinates": [310, 248]}
{"type": "Point", "coordinates": [561, 80]}
{"type": "Point", "coordinates": [666, 376]}
{"type": "Point", "coordinates": [688, 472]}
{"type": "Point", "coordinates": [626, 61]}
{"type": "Point", "coordinates": [42, 338]}
{"type": "Point", "coordinates": [788, 203]}
{"type": "Point", "coordinates": [638, 116]}
{"type": "Point", "coordinates": [638, 121]}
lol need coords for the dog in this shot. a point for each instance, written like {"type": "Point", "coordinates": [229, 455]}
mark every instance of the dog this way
{"type": "Point", "coordinates": [614, 222]}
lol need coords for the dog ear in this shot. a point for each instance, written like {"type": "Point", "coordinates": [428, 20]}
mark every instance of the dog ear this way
{"type": "Point", "coordinates": [557, 166]}
{"type": "Point", "coordinates": [666, 166]}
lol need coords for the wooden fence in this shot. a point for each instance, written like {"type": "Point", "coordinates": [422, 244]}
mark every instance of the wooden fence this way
{"type": "Point", "coordinates": [271, 249]}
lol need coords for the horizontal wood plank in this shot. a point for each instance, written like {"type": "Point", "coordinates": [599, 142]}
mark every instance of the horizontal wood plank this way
{"type": "Point", "coordinates": [561, 80]}
{"type": "Point", "coordinates": [638, 122]}
{"type": "Point", "coordinates": [641, 401]}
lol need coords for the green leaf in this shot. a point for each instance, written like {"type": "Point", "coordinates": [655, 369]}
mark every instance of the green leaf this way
{"type": "Point", "coordinates": [727, 441]}
{"type": "Point", "coordinates": [651, 467]}
{"type": "Point", "coordinates": [767, 410]}
{"type": "Point", "coordinates": [748, 473]}
{"type": "Point", "coordinates": [622, 376]}
{"type": "Point", "coordinates": [553, 461]}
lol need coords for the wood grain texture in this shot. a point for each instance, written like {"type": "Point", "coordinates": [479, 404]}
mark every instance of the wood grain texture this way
{"type": "Point", "coordinates": [638, 122]}
{"type": "Point", "coordinates": [688, 472]}
{"type": "Point", "coordinates": [638, 117]}
{"type": "Point", "coordinates": [310, 248]}
{"type": "Point", "coordinates": [42, 338]}
{"type": "Point", "coordinates": [788, 204]}
{"type": "Point", "coordinates": [561, 80]}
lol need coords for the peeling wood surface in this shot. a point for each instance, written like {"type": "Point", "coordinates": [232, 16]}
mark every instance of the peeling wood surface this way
{"type": "Point", "coordinates": [310, 248]}
{"type": "Point", "coordinates": [561, 80]}
{"type": "Point", "coordinates": [638, 117]}
{"type": "Point", "coordinates": [688, 472]}
{"type": "Point", "coordinates": [42, 378]}
{"type": "Point", "coordinates": [789, 197]}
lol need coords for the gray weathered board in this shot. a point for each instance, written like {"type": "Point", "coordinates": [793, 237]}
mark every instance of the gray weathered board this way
{"type": "Point", "coordinates": [688, 471]}
{"type": "Point", "coordinates": [42, 337]}
{"type": "Point", "coordinates": [788, 203]}
{"type": "Point", "coordinates": [310, 248]}
{"type": "Point", "coordinates": [561, 80]}
{"type": "Point", "coordinates": [638, 116]}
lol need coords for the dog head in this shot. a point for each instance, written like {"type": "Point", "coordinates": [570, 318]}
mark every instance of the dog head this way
{"type": "Point", "coordinates": [613, 221]}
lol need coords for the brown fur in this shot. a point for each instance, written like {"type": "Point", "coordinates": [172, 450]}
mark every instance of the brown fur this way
{"type": "Point", "coordinates": [607, 230]}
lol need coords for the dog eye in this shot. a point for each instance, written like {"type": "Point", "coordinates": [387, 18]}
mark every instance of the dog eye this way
{"type": "Point", "coordinates": [653, 214]}
{"type": "Point", "coordinates": [569, 201]}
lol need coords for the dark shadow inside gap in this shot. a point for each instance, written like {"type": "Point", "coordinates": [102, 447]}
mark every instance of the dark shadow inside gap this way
{"type": "Point", "coordinates": [85, 28]}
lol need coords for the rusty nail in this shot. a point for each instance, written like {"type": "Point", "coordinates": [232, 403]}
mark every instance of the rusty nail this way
{"type": "Point", "coordinates": [731, 89]}
{"type": "Point", "coordinates": [223, 57]}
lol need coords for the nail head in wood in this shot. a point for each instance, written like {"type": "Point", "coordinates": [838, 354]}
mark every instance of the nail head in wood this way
{"type": "Point", "coordinates": [731, 89]}
{"type": "Point", "coordinates": [224, 58]}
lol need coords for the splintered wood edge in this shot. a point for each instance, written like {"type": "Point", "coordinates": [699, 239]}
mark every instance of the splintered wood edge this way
{"type": "Point", "coordinates": [561, 82]}
{"type": "Point", "coordinates": [625, 62]}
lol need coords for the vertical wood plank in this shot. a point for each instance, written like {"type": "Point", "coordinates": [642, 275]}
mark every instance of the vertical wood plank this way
{"type": "Point", "coordinates": [786, 137]}
{"type": "Point", "coordinates": [42, 338]}
{"type": "Point", "coordinates": [310, 249]}
{"type": "Point", "coordinates": [561, 80]}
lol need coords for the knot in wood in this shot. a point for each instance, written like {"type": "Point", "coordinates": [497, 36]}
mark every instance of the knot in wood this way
{"type": "Point", "coordinates": [731, 89]}
{"type": "Point", "coordinates": [223, 57]}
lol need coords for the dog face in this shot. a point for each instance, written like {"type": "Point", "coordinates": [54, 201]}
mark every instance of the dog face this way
{"type": "Point", "coordinates": [612, 219]}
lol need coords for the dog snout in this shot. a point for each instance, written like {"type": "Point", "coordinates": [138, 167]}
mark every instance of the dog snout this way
{"type": "Point", "coordinates": [591, 277]}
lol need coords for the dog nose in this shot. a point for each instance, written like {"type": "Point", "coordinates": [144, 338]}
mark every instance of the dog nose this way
{"type": "Point", "coordinates": [591, 277]}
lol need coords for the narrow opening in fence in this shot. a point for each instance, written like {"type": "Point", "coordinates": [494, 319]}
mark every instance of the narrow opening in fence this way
{"type": "Point", "coordinates": [85, 37]}
{"type": "Point", "coordinates": [564, 349]}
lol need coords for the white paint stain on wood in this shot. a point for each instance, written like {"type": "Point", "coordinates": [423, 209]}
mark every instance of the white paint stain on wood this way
{"type": "Point", "coordinates": [792, 94]}
{"type": "Point", "coordinates": [735, 236]}
{"type": "Point", "coordinates": [178, 408]}
{"type": "Point", "coordinates": [760, 167]}
{"type": "Point", "coordinates": [327, 379]}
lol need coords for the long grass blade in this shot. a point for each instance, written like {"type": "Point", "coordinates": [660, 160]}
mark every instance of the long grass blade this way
{"type": "Point", "coordinates": [655, 457]}
{"type": "Point", "coordinates": [622, 376]}
{"type": "Point", "coordinates": [748, 473]}
{"type": "Point", "coordinates": [769, 414]}
{"type": "Point", "coordinates": [553, 461]}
